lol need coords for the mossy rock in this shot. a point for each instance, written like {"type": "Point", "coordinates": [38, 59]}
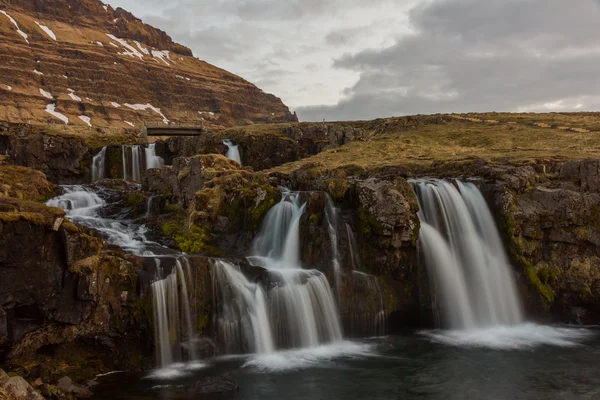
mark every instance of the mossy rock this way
{"type": "Point", "coordinates": [25, 184]}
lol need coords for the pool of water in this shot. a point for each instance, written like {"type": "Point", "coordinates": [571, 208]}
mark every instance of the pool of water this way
{"type": "Point", "coordinates": [524, 362]}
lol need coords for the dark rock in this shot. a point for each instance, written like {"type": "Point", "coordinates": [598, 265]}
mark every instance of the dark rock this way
{"type": "Point", "coordinates": [214, 385]}
{"type": "Point", "coordinates": [66, 385]}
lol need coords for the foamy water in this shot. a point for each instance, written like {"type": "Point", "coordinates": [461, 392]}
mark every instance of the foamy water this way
{"type": "Point", "coordinates": [177, 370]}
{"type": "Point", "coordinates": [513, 337]}
{"type": "Point", "coordinates": [308, 357]}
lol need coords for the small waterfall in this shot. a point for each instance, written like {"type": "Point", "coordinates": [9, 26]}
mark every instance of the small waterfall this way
{"type": "Point", "coordinates": [368, 311]}
{"type": "Point", "coordinates": [149, 203]}
{"type": "Point", "coordinates": [354, 257]}
{"type": "Point", "coordinates": [170, 295]}
{"type": "Point", "coordinates": [331, 217]}
{"type": "Point", "coordinates": [99, 165]}
{"type": "Point", "coordinates": [132, 163]}
{"type": "Point", "coordinates": [465, 256]}
{"type": "Point", "coordinates": [243, 324]}
{"type": "Point", "coordinates": [233, 153]}
{"type": "Point", "coordinates": [152, 160]}
{"type": "Point", "coordinates": [83, 204]}
{"type": "Point", "coordinates": [272, 241]}
{"type": "Point", "coordinates": [369, 316]}
{"type": "Point", "coordinates": [135, 163]}
{"type": "Point", "coordinates": [301, 308]}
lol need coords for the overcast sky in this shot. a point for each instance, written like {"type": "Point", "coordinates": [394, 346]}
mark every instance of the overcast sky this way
{"type": "Point", "coordinates": [363, 59]}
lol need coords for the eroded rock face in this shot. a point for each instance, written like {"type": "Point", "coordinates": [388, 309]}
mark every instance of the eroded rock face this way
{"type": "Point", "coordinates": [62, 292]}
{"type": "Point", "coordinates": [61, 158]}
{"type": "Point", "coordinates": [220, 205]}
{"type": "Point", "coordinates": [553, 234]}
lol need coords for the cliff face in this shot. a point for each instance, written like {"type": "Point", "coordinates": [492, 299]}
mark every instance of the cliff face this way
{"type": "Point", "coordinates": [87, 64]}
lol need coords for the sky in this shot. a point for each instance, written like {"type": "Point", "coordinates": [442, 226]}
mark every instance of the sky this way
{"type": "Point", "coordinates": [365, 59]}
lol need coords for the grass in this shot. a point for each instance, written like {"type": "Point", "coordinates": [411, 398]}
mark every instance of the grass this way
{"type": "Point", "coordinates": [24, 183]}
{"type": "Point", "coordinates": [457, 140]}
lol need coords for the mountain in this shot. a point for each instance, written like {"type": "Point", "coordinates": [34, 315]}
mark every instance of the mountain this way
{"type": "Point", "coordinates": [84, 63]}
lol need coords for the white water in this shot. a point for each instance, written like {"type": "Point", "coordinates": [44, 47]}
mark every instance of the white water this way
{"type": "Point", "coordinates": [301, 304]}
{"type": "Point", "coordinates": [152, 160]}
{"type": "Point", "coordinates": [520, 336]}
{"type": "Point", "coordinates": [168, 295]}
{"type": "Point", "coordinates": [465, 257]}
{"type": "Point", "coordinates": [242, 322]}
{"type": "Point", "coordinates": [82, 205]}
{"type": "Point", "coordinates": [233, 153]}
{"type": "Point", "coordinates": [134, 161]}
{"type": "Point", "coordinates": [99, 165]}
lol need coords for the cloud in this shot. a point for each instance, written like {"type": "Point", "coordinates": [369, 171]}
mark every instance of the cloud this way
{"type": "Point", "coordinates": [337, 59]}
{"type": "Point", "coordinates": [473, 55]}
{"type": "Point", "coordinates": [300, 39]}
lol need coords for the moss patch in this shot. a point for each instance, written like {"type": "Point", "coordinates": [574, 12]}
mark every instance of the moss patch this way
{"type": "Point", "coordinates": [25, 184]}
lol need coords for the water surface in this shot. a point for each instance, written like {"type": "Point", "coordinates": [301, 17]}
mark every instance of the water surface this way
{"type": "Point", "coordinates": [525, 362]}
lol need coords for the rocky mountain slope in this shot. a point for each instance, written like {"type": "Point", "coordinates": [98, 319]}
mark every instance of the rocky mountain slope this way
{"type": "Point", "coordinates": [85, 64]}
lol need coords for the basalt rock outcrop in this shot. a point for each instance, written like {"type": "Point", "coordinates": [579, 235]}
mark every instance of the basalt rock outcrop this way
{"type": "Point", "coordinates": [219, 206]}
{"type": "Point", "coordinates": [89, 65]}
{"type": "Point", "coordinates": [69, 304]}
{"type": "Point", "coordinates": [268, 146]}
{"type": "Point", "coordinates": [550, 216]}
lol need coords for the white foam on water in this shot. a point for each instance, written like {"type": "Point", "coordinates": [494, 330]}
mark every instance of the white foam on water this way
{"type": "Point", "coordinates": [515, 337]}
{"type": "Point", "coordinates": [307, 357]}
{"type": "Point", "coordinates": [177, 370]}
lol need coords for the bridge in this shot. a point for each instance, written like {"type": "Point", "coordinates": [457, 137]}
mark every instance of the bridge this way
{"type": "Point", "coordinates": [172, 131]}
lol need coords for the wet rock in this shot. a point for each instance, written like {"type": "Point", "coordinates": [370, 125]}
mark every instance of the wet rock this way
{"type": "Point", "coordinates": [389, 209]}
{"type": "Point", "coordinates": [214, 385]}
{"type": "Point", "coordinates": [66, 385]}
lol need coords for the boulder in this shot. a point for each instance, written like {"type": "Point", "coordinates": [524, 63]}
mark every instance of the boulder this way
{"type": "Point", "coordinates": [16, 388]}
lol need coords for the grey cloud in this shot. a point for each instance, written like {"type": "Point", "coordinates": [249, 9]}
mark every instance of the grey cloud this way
{"type": "Point", "coordinates": [471, 55]}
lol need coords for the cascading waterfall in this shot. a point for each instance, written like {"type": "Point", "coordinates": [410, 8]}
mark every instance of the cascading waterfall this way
{"type": "Point", "coordinates": [233, 152]}
{"type": "Point", "coordinates": [99, 165]}
{"type": "Point", "coordinates": [170, 295]}
{"type": "Point", "coordinates": [134, 161]}
{"type": "Point", "coordinates": [300, 308]}
{"type": "Point", "coordinates": [465, 256]}
{"type": "Point", "coordinates": [243, 322]}
{"type": "Point", "coordinates": [172, 311]}
{"type": "Point", "coordinates": [82, 205]}
{"type": "Point", "coordinates": [152, 160]}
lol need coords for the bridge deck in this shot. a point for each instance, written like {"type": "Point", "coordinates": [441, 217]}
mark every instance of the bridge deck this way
{"type": "Point", "coordinates": [174, 131]}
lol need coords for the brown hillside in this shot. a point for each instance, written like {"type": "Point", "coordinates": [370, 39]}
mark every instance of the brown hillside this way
{"type": "Point", "coordinates": [83, 59]}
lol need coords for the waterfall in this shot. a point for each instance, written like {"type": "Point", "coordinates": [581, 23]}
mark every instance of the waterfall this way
{"type": "Point", "coordinates": [152, 160]}
{"type": "Point", "coordinates": [368, 310]}
{"type": "Point", "coordinates": [368, 316]}
{"type": "Point", "coordinates": [243, 324]}
{"type": "Point", "coordinates": [99, 165]}
{"type": "Point", "coordinates": [83, 204]}
{"type": "Point", "coordinates": [331, 217]}
{"type": "Point", "coordinates": [465, 256]}
{"type": "Point", "coordinates": [354, 257]}
{"type": "Point", "coordinates": [300, 308]}
{"type": "Point", "coordinates": [171, 300]}
{"type": "Point", "coordinates": [133, 164]}
{"type": "Point", "coordinates": [233, 153]}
